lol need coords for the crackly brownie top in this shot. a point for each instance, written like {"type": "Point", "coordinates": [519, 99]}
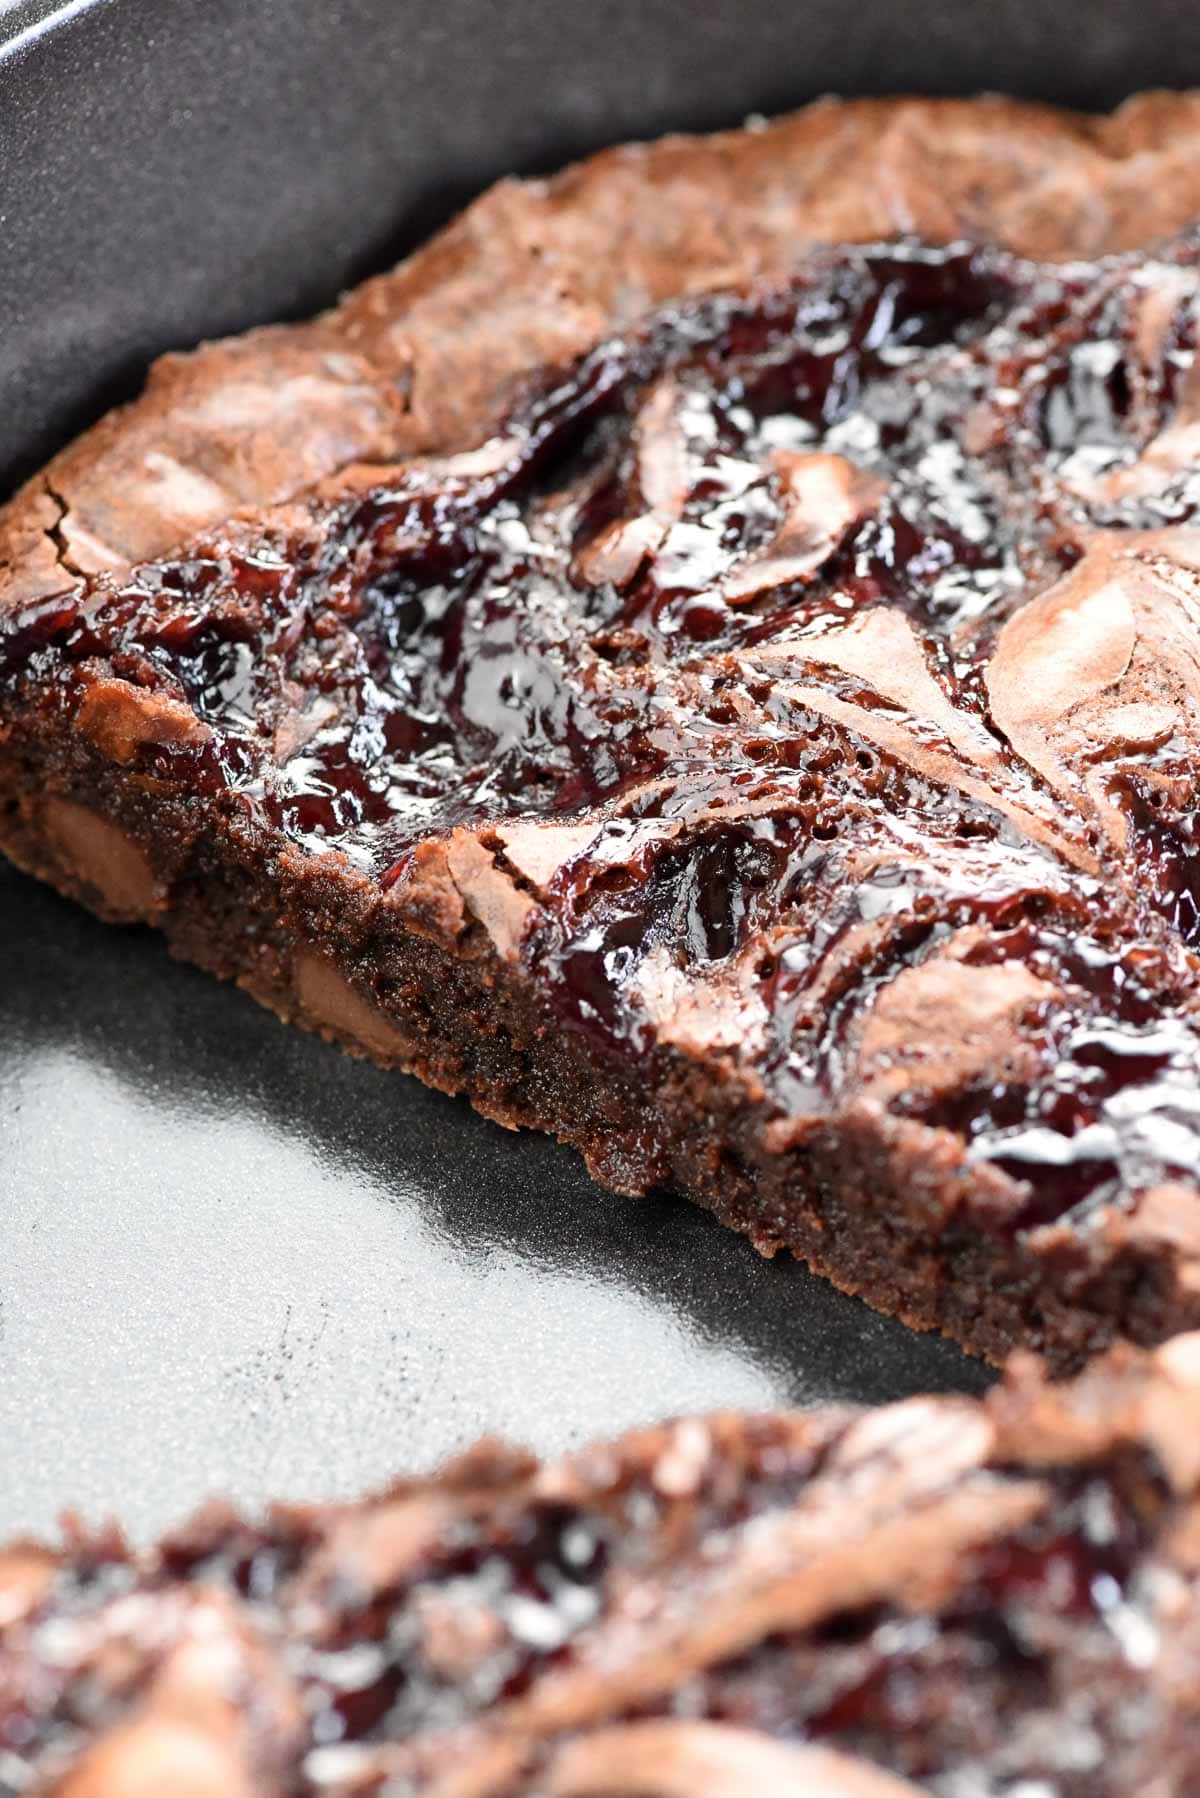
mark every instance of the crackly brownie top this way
{"type": "Point", "coordinates": [815, 669]}
{"type": "Point", "coordinates": [961, 1599]}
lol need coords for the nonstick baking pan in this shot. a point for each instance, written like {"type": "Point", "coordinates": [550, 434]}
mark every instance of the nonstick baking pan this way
{"type": "Point", "coordinates": [232, 1260]}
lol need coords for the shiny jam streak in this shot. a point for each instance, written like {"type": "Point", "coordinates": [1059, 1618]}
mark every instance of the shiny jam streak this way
{"type": "Point", "coordinates": [726, 614]}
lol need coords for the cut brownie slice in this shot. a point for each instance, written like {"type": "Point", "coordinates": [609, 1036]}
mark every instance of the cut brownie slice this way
{"type": "Point", "coordinates": [767, 760]}
{"type": "Point", "coordinates": [943, 1596]}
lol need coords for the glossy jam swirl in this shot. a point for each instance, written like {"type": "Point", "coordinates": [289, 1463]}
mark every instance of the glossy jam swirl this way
{"type": "Point", "coordinates": [993, 1600]}
{"type": "Point", "coordinates": [841, 639]}
{"type": "Point", "coordinates": [950, 1691]}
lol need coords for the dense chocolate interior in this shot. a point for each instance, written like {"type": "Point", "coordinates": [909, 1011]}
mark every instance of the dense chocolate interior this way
{"type": "Point", "coordinates": [840, 637]}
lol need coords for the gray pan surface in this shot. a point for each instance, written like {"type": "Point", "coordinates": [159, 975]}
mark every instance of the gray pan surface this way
{"type": "Point", "coordinates": [231, 1259]}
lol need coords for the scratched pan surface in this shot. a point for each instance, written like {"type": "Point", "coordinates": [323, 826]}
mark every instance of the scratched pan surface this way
{"type": "Point", "coordinates": [232, 1260]}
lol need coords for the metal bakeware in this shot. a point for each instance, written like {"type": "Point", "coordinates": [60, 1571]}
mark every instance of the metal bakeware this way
{"type": "Point", "coordinates": [231, 1259]}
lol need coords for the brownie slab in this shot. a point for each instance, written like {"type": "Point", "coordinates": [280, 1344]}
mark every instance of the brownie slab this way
{"type": "Point", "coordinates": [764, 757]}
{"type": "Point", "coordinates": [939, 1597]}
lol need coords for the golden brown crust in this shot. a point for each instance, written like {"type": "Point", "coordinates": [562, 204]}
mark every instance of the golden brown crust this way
{"type": "Point", "coordinates": [537, 271]}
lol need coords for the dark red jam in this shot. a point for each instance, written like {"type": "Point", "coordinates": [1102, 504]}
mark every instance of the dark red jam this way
{"type": "Point", "coordinates": [975, 1621]}
{"type": "Point", "coordinates": [731, 593]}
{"type": "Point", "coordinates": [979, 1684]}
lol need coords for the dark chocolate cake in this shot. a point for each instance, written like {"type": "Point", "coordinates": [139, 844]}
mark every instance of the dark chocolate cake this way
{"type": "Point", "coordinates": [755, 739]}
{"type": "Point", "coordinates": [942, 1597]}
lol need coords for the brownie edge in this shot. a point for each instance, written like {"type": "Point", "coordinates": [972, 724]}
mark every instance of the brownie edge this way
{"type": "Point", "coordinates": [937, 1597]}
{"type": "Point", "coordinates": [758, 852]}
{"type": "Point", "coordinates": [429, 357]}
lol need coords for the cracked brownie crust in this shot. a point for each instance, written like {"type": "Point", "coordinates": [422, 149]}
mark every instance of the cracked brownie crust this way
{"type": "Point", "coordinates": [939, 1597]}
{"type": "Point", "coordinates": [537, 272]}
{"type": "Point", "coordinates": [761, 750]}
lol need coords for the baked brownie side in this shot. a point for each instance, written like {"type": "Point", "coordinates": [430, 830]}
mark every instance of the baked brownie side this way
{"type": "Point", "coordinates": [938, 1597]}
{"type": "Point", "coordinates": [688, 730]}
{"type": "Point", "coordinates": [765, 763]}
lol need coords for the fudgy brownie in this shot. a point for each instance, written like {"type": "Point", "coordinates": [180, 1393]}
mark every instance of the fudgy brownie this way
{"type": "Point", "coordinates": [944, 1596]}
{"type": "Point", "coordinates": [761, 749]}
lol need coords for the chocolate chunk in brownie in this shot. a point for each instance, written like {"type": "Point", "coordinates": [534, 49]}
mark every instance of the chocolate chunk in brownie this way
{"type": "Point", "coordinates": [766, 760]}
